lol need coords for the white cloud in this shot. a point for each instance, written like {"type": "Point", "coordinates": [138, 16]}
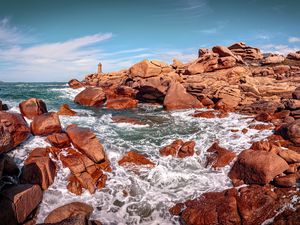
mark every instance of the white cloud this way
{"type": "Point", "coordinates": [278, 49]}
{"type": "Point", "coordinates": [293, 39]}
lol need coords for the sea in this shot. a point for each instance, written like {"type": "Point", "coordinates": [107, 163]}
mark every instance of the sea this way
{"type": "Point", "coordinates": [150, 192]}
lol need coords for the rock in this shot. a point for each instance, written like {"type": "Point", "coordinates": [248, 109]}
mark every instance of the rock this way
{"type": "Point", "coordinates": [256, 167]}
{"type": "Point", "coordinates": [72, 220]}
{"type": "Point", "coordinates": [65, 110]}
{"type": "Point", "coordinates": [261, 126]}
{"type": "Point", "coordinates": [219, 157]}
{"type": "Point", "coordinates": [45, 124]}
{"type": "Point", "coordinates": [211, 114]}
{"type": "Point", "coordinates": [246, 52]}
{"type": "Point", "coordinates": [134, 158]}
{"type": "Point", "coordinates": [288, 217]}
{"type": "Point", "coordinates": [122, 103]}
{"type": "Point", "coordinates": [38, 169]}
{"type": "Point", "coordinates": [264, 117]}
{"type": "Point", "coordinates": [8, 167]}
{"type": "Point", "coordinates": [292, 104]}
{"type": "Point", "coordinates": [74, 185]}
{"type": "Point", "coordinates": [293, 132]}
{"type": "Point", "coordinates": [296, 93]}
{"type": "Point", "coordinates": [273, 59]}
{"type": "Point", "coordinates": [59, 140]}
{"type": "Point", "coordinates": [66, 211]}
{"type": "Point", "coordinates": [74, 83]}
{"type": "Point", "coordinates": [178, 98]}
{"type": "Point", "coordinates": [148, 68]}
{"type": "Point", "coordinates": [32, 107]}
{"type": "Point", "coordinates": [19, 202]}
{"type": "Point", "coordinates": [266, 145]}
{"type": "Point", "coordinates": [86, 142]}
{"type": "Point", "coordinates": [281, 69]}
{"type": "Point", "coordinates": [125, 119]}
{"type": "Point", "coordinates": [286, 181]}
{"type": "Point", "coordinates": [179, 149]}
{"type": "Point", "coordinates": [294, 56]}
{"type": "Point", "coordinates": [91, 96]}
{"type": "Point", "coordinates": [290, 156]}
{"type": "Point", "coordinates": [13, 131]}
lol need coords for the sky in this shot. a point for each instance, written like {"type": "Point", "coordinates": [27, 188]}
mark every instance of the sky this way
{"type": "Point", "coordinates": [56, 40]}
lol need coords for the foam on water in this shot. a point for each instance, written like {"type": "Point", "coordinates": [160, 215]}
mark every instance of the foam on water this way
{"type": "Point", "coordinates": [151, 192]}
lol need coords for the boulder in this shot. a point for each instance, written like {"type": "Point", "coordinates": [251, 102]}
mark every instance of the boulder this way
{"type": "Point", "coordinates": [288, 217]}
{"type": "Point", "coordinates": [294, 55]}
{"type": "Point", "coordinates": [293, 132]}
{"type": "Point", "coordinates": [91, 96]}
{"type": "Point", "coordinates": [8, 167]}
{"type": "Point", "coordinates": [290, 156]}
{"type": "Point", "coordinates": [257, 167]}
{"type": "Point", "coordinates": [296, 93]}
{"type": "Point", "coordinates": [122, 103]}
{"type": "Point", "coordinates": [74, 83]}
{"type": "Point", "coordinates": [246, 52]}
{"type": "Point", "coordinates": [19, 202]}
{"type": "Point", "coordinates": [32, 107]}
{"type": "Point", "coordinates": [13, 131]}
{"type": "Point", "coordinates": [45, 124]}
{"type": "Point", "coordinates": [286, 181]}
{"type": "Point", "coordinates": [66, 211]}
{"type": "Point", "coordinates": [134, 158]}
{"type": "Point", "coordinates": [38, 169]}
{"type": "Point", "coordinates": [148, 68]}
{"type": "Point", "coordinates": [86, 142]}
{"type": "Point", "coordinates": [179, 149]}
{"type": "Point", "coordinates": [178, 98]}
{"type": "Point", "coordinates": [74, 185]}
{"type": "Point", "coordinates": [219, 157]}
{"type": "Point", "coordinates": [59, 140]}
{"type": "Point", "coordinates": [273, 59]}
{"type": "Point", "coordinates": [65, 110]}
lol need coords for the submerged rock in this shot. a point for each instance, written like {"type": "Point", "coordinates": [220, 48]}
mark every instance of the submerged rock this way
{"type": "Point", "coordinates": [134, 158]}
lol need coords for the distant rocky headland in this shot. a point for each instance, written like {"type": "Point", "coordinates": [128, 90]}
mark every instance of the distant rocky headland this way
{"type": "Point", "coordinates": [238, 78]}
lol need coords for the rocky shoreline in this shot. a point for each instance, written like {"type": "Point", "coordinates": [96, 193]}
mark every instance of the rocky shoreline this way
{"type": "Point", "coordinates": [238, 78]}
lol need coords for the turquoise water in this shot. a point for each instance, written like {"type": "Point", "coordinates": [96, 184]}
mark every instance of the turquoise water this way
{"type": "Point", "coordinates": [153, 191]}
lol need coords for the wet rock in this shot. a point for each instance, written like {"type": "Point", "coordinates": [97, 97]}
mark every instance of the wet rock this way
{"type": "Point", "coordinates": [178, 98]}
{"type": "Point", "coordinates": [219, 157]}
{"type": "Point", "coordinates": [134, 158]}
{"type": "Point", "coordinates": [290, 156]}
{"type": "Point", "coordinates": [59, 140]}
{"type": "Point", "coordinates": [69, 210]}
{"type": "Point", "coordinates": [288, 216]}
{"type": "Point", "coordinates": [8, 167]}
{"type": "Point", "coordinates": [211, 114]}
{"type": "Point", "coordinates": [19, 202]}
{"type": "Point", "coordinates": [74, 185]}
{"type": "Point", "coordinates": [75, 84]}
{"type": "Point", "coordinates": [65, 110]}
{"type": "Point", "coordinates": [91, 96]}
{"type": "Point", "coordinates": [179, 149]}
{"type": "Point", "coordinates": [38, 169]}
{"type": "Point", "coordinates": [13, 131]}
{"type": "Point", "coordinates": [256, 167]}
{"type": "Point", "coordinates": [125, 119]}
{"type": "Point", "coordinates": [122, 103]}
{"type": "Point", "coordinates": [86, 142]}
{"type": "Point", "coordinates": [32, 107]}
{"type": "Point", "coordinates": [45, 124]}
{"type": "Point", "coordinates": [286, 181]}
{"type": "Point", "coordinates": [261, 126]}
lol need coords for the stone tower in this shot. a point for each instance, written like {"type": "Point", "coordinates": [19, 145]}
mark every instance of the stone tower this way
{"type": "Point", "coordinates": [99, 68]}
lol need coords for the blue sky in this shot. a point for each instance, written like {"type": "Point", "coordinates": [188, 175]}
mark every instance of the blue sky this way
{"type": "Point", "coordinates": [43, 40]}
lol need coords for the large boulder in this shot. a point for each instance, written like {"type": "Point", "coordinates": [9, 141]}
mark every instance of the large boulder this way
{"type": "Point", "coordinates": [293, 132]}
{"type": "Point", "coordinates": [91, 96]}
{"type": "Point", "coordinates": [178, 98]}
{"type": "Point", "coordinates": [246, 52]}
{"type": "Point", "coordinates": [218, 156]}
{"type": "Point", "coordinates": [74, 83]}
{"type": "Point", "coordinates": [179, 149]}
{"type": "Point", "coordinates": [18, 202]}
{"type": "Point", "coordinates": [38, 169]}
{"type": "Point", "coordinates": [46, 124]}
{"type": "Point", "coordinates": [66, 211]}
{"type": "Point", "coordinates": [86, 142]}
{"type": "Point", "coordinates": [32, 107]}
{"type": "Point", "coordinates": [149, 68]}
{"type": "Point", "coordinates": [13, 131]}
{"type": "Point", "coordinates": [257, 167]}
{"type": "Point", "coordinates": [65, 110]}
{"type": "Point", "coordinates": [8, 167]}
{"type": "Point", "coordinates": [59, 140]}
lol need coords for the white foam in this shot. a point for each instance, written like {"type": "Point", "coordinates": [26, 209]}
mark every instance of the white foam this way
{"type": "Point", "coordinates": [68, 92]}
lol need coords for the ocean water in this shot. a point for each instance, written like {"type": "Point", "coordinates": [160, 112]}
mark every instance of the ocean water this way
{"type": "Point", "coordinates": [151, 192]}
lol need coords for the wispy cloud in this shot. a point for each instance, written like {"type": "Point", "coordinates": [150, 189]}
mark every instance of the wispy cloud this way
{"type": "Point", "coordinates": [278, 49]}
{"type": "Point", "coordinates": [294, 39]}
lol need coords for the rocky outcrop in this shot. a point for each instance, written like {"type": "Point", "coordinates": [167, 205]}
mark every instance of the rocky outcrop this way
{"type": "Point", "coordinates": [13, 131]}
{"type": "Point", "coordinates": [136, 159]}
{"type": "Point", "coordinates": [91, 96]}
{"type": "Point", "coordinates": [178, 98]}
{"type": "Point", "coordinates": [179, 149]}
{"type": "Point", "coordinates": [75, 84]}
{"type": "Point", "coordinates": [86, 142]}
{"type": "Point", "coordinates": [273, 59]}
{"type": "Point", "coordinates": [148, 68]}
{"type": "Point", "coordinates": [218, 156]}
{"type": "Point", "coordinates": [246, 52]}
{"type": "Point", "coordinates": [65, 110]}
{"type": "Point", "coordinates": [257, 167]}
{"type": "Point", "coordinates": [32, 107]}
{"type": "Point", "coordinates": [46, 124]}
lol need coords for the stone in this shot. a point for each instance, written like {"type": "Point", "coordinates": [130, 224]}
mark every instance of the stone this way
{"type": "Point", "coordinates": [246, 52]}
{"type": "Point", "coordinates": [294, 56]}
{"type": "Point", "coordinates": [296, 93]}
{"type": "Point", "coordinates": [46, 124]}
{"type": "Point", "coordinates": [38, 169]}
{"type": "Point", "coordinates": [8, 167]}
{"type": "Point", "coordinates": [13, 131]}
{"type": "Point", "coordinates": [19, 201]}
{"type": "Point", "coordinates": [134, 158]}
{"type": "Point", "coordinates": [290, 156]}
{"type": "Point", "coordinates": [66, 211]}
{"type": "Point", "coordinates": [286, 181]}
{"type": "Point", "coordinates": [75, 84]}
{"type": "Point", "coordinates": [273, 59]}
{"type": "Point", "coordinates": [148, 68]}
{"type": "Point", "coordinates": [74, 185]}
{"type": "Point", "coordinates": [177, 98]}
{"type": "Point", "coordinates": [32, 107]}
{"type": "Point", "coordinates": [122, 103]}
{"type": "Point", "coordinates": [179, 149]}
{"type": "Point", "coordinates": [59, 140]}
{"type": "Point", "coordinates": [91, 96]}
{"type": "Point", "coordinates": [125, 119]}
{"type": "Point", "coordinates": [293, 132]}
{"type": "Point", "coordinates": [218, 156]}
{"type": "Point", "coordinates": [65, 110]}
{"type": "Point", "coordinates": [288, 216]}
{"type": "Point", "coordinates": [257, 167]}
{"type": "Point", "coordinates": [86, 142]}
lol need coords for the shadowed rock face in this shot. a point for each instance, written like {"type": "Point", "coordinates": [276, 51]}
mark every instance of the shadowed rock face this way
{"type": "Point", "coordinates": [32, 107]}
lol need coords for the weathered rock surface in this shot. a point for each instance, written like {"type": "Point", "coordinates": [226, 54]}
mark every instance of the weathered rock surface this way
{"type": "Point", "coordinates": [91, 96]}
{"type": "Point", "coordinates": [46, 124]}
{"type": "Point", "coordinates": [32, 107]}
{"type": "Point", "coordinates": [74, 83]}
{"type": "Point", "coordinates": [59, 140]}
{"type": "Point", "coordinates": [65, 110]}
{"type": "Point", "coordinates": [218, 156]}
{"type": "Point", "coordinates": [179, 149]}
{"type": "Point", "coordinates": [134, 158]}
